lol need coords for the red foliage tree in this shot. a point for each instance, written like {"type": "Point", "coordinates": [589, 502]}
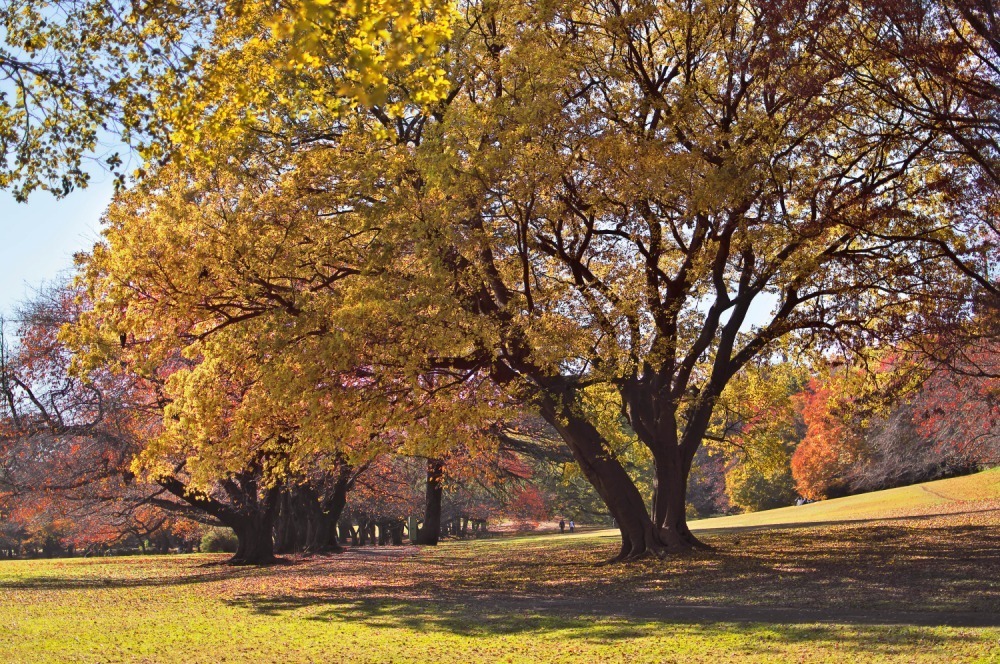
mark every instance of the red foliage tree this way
{"type": "Point", "coordinates": [66, 445]}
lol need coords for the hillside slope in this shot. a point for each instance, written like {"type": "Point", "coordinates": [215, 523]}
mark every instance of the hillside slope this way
{"type": "Point", "coordinates": [956, 494]}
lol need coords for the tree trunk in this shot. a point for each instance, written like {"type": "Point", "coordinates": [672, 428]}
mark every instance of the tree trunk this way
{"type": "Point", "coordinates": [284, 528]}
{"type": "Point", "coordinates": [396, 532]}
{"type": "Point", "coordinates": [255, 542]}
{"type": "Point", "coordinates": [654, 418]}
{"type": "Point", "coordinates": [335, 509]}
{"type": "Point", "coordinates": [317, 530]}
{"type": "Point", "coordinates": [670, 504]}
{"type": "Point", "coordinates": [430, 533]}
{"type": "Point", "coordinates": [639, 535]}
{"type": "Point", "coordinates": [255, 532]}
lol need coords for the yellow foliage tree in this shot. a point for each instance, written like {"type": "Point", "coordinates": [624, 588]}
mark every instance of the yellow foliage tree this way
{"type": "Point", "coordinates": [646, 197]}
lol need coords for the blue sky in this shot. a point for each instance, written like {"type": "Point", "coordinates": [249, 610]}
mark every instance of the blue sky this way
{"type": "Point", "coordinates": [38, 238]}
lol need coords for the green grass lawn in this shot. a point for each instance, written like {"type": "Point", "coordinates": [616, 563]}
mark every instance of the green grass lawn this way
{"type": "Point", "coordinates": [905, 575]}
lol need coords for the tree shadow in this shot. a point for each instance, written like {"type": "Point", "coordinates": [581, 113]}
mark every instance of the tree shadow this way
{"type": "Point", "coordinates": [221, 571]}
{"type": "Point", "coordinates": [866, 576]}
{"type": "Point", "coordinates": [871, 575]}
{"type": "Point", "coordinates": [755, 632]}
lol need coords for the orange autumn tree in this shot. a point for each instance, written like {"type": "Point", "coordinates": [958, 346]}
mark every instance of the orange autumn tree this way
{"type": "Point", "coordinates": [831, 446]}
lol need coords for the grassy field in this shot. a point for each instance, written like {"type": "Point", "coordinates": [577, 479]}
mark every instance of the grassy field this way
{"type": "Point", "coordinates": [905, 575]}
{"type": "Point", "coordinates": [954, 494]}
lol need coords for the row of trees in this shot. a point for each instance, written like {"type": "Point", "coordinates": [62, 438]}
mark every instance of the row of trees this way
{"type": "Point", "coordinates": [69, 445]}
{"type": "Point", "coordinates": [398, 231]}
{"type": "Point", "coordinates": [791, 432]}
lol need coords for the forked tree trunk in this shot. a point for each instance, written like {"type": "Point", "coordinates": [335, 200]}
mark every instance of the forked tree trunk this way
{"type": "Point", "coordinates": [430, 532]}
{"type": "Point", "coordinates": [654, 418]}
{"type": "Point", "coordinates": [253, 525]}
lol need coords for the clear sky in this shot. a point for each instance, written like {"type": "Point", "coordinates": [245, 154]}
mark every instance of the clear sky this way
{"type": "Point", "coordinates": [38, 238]}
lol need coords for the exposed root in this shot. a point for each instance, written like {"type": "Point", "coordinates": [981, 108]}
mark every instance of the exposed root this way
{"type": "Point", "coordinates": [683, 542]}
{"type": "Point", "coordinates": [630, 553]}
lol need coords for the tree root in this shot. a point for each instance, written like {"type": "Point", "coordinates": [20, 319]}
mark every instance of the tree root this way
{"type": "Point", "coordinates": [629, 553]}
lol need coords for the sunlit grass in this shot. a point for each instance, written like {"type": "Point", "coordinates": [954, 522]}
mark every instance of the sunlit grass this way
{"type": "Point", "coordinates": [908, 500]}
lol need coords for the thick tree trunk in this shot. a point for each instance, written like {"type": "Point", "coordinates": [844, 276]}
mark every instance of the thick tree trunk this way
{"type": "Point", "coordinates": [670, 504]}
{"type": "Point", "coordinates": [255, 531]}
{"type": "Point", "coordinates": [285, 536]}
{"type": "Point", "coordinates": [335, 509]}
{"type": "Point", "coordinates": [654, 418]}
{"type": "Point", "coordinates": [317, 530]}
{"type": "Point", "coordinates": [639, 535]}
{"type": "Point", "coordinates": [347, 533]}
{"type": "Point", "coordinates": [396, 533]}
{"type": "Point", "coordinates": [430, 532]}
{"type": "Point", "coordinates": [253, 522]}
{"type": "Point", "coordinates": [255, 541]}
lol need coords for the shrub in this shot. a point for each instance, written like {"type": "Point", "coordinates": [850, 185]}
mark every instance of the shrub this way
{"type": "Point", "coordinates": [219, 540]}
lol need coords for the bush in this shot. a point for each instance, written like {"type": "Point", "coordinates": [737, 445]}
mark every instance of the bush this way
{"type": "Point", "coordinates": [219, 540]}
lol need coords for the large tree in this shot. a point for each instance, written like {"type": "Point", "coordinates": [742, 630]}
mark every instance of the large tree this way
{"type": "Point", "coordinates": [653, 195]}
{"type": "Point", "coordinates": [611, 213]}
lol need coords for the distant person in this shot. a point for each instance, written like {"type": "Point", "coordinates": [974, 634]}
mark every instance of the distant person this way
{"type": "Point", "coordinates": [562, 526]}
{"type": "Point", "coordinates": [572, 525]}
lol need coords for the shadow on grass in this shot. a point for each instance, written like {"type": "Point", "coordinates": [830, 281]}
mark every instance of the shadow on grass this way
{"type": "Point", "coordinates": [905, 575]}
{"type": "Point", "coordinates": [850, 575]}
{"type": "Point", "coordinates": [729, 629]}
{"type": "Point", "coordinates": [222, 571]}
